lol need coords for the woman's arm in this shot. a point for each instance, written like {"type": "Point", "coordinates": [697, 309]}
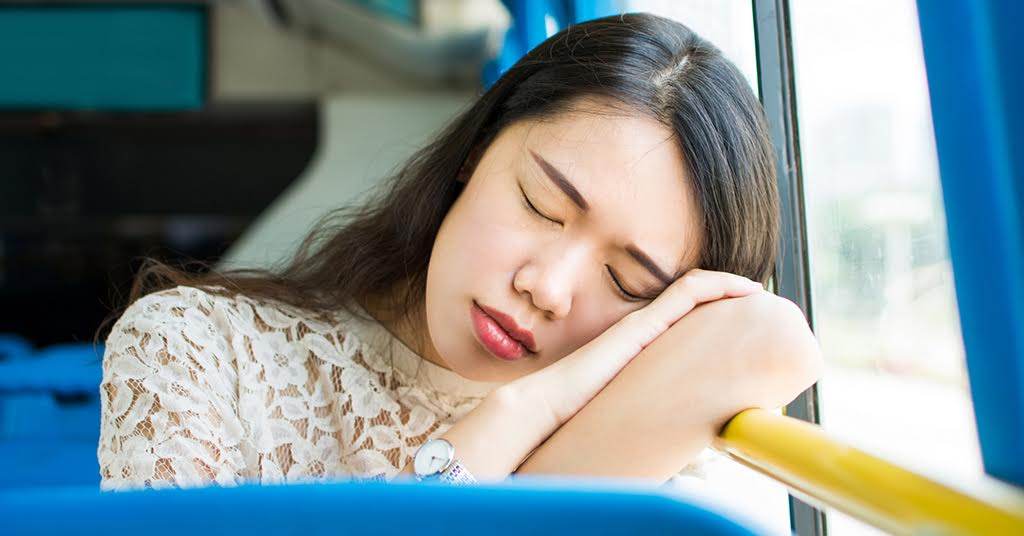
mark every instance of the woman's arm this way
{"type": "Point", "coordinates": [670, 402]}
{"type": "Point", "coordinates": [499, 434]}
{"type": "Point", "coordinates": [168, 397]}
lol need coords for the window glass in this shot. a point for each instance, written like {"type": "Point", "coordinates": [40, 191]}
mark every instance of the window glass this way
{"type": "Point", "coordinates": [881, 281]}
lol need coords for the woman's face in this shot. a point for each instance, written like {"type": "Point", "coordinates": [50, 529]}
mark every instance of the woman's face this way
{"type": "Point", "coordinates": [610, 188]}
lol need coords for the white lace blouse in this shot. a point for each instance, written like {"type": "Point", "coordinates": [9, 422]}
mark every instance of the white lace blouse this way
{"type": "Point", "coordinates": [200, 389]}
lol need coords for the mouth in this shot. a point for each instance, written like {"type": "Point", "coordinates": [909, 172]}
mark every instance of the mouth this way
{"type": "Point", "coordinates": [500, 334]}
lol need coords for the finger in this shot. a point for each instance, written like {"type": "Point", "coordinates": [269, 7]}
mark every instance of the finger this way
{"type": "Point", "coordinates": [695, 287]}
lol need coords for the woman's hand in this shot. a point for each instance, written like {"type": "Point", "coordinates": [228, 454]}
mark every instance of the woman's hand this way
{"type": "Point", "coordinates": [568, 384]}
{"type": "Point", "coordinates": [670, 402]}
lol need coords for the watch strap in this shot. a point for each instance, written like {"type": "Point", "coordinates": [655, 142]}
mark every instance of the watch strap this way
{"type": "Point", "coordinates": [456, 474]}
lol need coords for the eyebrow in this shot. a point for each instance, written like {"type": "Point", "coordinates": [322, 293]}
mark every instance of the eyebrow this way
{"type": "Point", "coordinates": [651, 266]}
{"type": "Point", "coordinates": [563, 183]}
{"type": "Point", "coordinates": [576, 197]}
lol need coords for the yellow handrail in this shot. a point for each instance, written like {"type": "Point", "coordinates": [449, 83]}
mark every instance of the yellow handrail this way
{"type": "Point", "coordinates": [824, 472]}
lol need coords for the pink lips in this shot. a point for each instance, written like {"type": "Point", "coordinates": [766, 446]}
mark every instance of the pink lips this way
{"type": "Point", "coordinates": [500, 334]}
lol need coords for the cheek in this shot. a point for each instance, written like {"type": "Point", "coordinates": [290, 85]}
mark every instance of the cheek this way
{"type": "Point", "coordinates": [593, 318]}
{"type": "Point", "coordinates": [484, 237]}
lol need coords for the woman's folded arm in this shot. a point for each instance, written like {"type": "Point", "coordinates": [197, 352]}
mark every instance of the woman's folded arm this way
{"type": "Point", "coordinates": [668, 404]}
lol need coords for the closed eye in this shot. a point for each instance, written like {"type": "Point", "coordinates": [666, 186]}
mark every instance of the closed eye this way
{"type": "Point", "coordinates": [622, 291]}
{"type": "Point", "coordinates": [532, 208]}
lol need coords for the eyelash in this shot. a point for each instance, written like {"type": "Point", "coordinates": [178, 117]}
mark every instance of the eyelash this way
{"type": "Point", "coordinates": [618, 287]}
{"type": "Point", "coordinates": [627, 296]}
{"type": "Point", "coordinates": [532, 208]}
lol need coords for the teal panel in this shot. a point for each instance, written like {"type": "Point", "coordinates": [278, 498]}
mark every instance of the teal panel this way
{"type": "Point", "coordinates": [103, 57]}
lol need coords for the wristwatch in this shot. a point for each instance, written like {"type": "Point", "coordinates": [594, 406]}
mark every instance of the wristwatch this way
{"type": "Point", "coordinates": [435, 460]}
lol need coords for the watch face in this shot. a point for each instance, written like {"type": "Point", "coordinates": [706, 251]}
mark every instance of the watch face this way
{"type": "Point", "coordinates": [433, 457]}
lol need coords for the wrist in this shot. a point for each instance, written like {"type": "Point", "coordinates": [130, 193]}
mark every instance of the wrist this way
{"type": "Point", "coordinates": [436, 460]}
{"type": "Point", "coordinates": [499, 433]}
{"type": "Point", "coordinates": [529, 405]}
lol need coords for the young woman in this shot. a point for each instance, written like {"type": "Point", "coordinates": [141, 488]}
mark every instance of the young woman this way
{"type": "Point", "coordinates": [568, 280]}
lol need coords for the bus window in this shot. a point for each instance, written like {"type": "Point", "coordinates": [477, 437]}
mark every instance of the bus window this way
{"type": "Point", "coordinates": [881, 282]}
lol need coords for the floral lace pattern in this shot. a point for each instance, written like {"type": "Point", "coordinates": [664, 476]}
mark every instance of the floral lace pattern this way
{"type": "Point", "coordinates": [200, 389]}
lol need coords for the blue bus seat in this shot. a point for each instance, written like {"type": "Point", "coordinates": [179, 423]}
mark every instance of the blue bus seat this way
{"type": "Point", "coordinates": [49, 414]}
{"type": "Point", "coordinates": [516, 506]}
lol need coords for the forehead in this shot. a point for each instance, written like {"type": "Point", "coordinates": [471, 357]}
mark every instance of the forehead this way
{"type": "Point", "coordinates": [631, 172]}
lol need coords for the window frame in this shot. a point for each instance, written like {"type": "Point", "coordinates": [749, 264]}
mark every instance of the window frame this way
{"type": "Point", "coordinates": [777, 90]}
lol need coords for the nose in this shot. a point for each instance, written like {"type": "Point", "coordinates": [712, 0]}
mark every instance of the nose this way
{"type": "Point", "coordinates": [551, 276]}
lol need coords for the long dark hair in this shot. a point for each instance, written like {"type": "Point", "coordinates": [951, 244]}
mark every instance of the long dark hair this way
{"type": "Point", "coordinates": [649, 64]}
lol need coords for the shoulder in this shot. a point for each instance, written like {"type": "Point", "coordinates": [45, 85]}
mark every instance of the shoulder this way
{"type": "Point", "coordinates": [184, 333]}
{"type": "Point", "coordinates": [171, 303]}
{"type": "Point", "coordinates": [186, 306]}
{"type": "Point", "coordinates": [172, 309]}
{"type": "Point", "coordinates": [166, 327]}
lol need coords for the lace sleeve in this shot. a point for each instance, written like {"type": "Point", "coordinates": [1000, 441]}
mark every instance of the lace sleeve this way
{"type": "Point", "coordinates": [169, 397]}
